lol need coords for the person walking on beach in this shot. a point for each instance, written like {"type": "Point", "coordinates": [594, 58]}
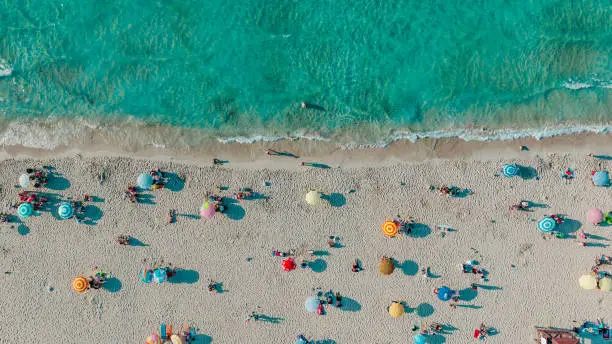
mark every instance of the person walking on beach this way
{"type": "Point", "coordinates": [356, 267]}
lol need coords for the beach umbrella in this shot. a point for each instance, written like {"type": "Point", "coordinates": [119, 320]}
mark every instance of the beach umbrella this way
{"type": "Point", "coordinates": [24, 180]}
{"type": "Point", "coordinates": [595, 216]}
{"type": "Point", "coordinates": [311, 304]}
{"type": "Point", "coordinates": [146, 276]}
{"type": "Point", "coordinates": [420, 339]}
{"type": "Point", "coordinates": [510, 170]}
{"type": "Point", "coordinates": [160, 275]}
{"type": "Point", "coordinates": [386, 266]}
{"type": "Point", "coordinates": [153, 339]}
{"type": "Point", "coordinates": [445, 293]}
{"type": "Point", "coordinates": [65, 210]}
{"type": "Point", "coordinates": [288, 264]}
{"type": "Point", "coordinates": [207, 209]}
{"type": "Point", "coordinates": [601, 178]}
{"type": "Point", "coordinates": [396, 309]}
{"type": "Point", "coordinates": [588, 282]}
{"type": "Point", "coordinates": [605, 284]}
{"type": "Point", "coordinates": [80, 284]}
{"type": "Point", "coordinates": [313, 197]}
{"type": "Point", "coordinates": [176, 339]}
{"type": "Point", "coordinates": [25, 210]}
{"type": "Point", "coordinates": [144, 181]}
{"type": "Point", "coordinates": [547, 224]}
{"type": "Point", "coordinates": [301, 341]}
{"type": "Point", "coordinates": [390, 229]}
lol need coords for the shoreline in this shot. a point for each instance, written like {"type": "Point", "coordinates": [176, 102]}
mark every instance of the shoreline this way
{"type": "Point", "coordinates": [253, 156]}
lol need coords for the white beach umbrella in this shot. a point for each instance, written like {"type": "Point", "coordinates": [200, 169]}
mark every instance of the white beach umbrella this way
{"type": "Point", "coordinates": [24, 180]}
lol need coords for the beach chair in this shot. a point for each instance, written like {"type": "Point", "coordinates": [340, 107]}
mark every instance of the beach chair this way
{"type": "Point", "coordinates": [162, 332]}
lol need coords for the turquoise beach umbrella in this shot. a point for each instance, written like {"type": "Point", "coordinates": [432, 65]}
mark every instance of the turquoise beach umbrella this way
{"type": "Point", "coordinates": [144, 181]}
{"type": "Point", "coordinates": [25, 210]}
{"type": "Point", "coordinates": [160, 275]}
{"type": "Point", "coordinates": [420, 339]}
{"type": "Point", "coordinates": [601, 178]}
{"type": "Point", "coordinates": [311, 304]}
{"type": "Point", "coordinates": [510, 170]}
{"type": "Point", "coordinates": [65, 210]}
{"type": "Point", "coordinates": [547, 224]}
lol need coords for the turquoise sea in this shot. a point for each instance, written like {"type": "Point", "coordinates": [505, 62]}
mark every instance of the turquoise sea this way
{"type": "Point", "coordinates": [223, 69]}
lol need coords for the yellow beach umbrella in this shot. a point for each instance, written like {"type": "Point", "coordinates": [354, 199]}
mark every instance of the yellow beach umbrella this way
{"type": "Point", "coordinates": [390, 229]}
{"type": "Point", "coordinates": [313, 197]}
{"type": "Point", "coordinates": [588, 282]}
{"type": "Point", "coordinates": [605, 284]}
{"type": "Point", "coordinates": [176, 339]}
{"type": "Point", "coordinates": [396, 309]}
{"type": "Point", "coordinates": [386, 266]}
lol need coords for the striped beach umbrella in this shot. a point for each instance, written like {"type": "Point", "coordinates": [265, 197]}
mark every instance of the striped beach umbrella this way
{"type": "Point", "coordinates": [390, 229]}
{"type": "Point", "coordinates": [65, 210]}
{"type": "Point", "coordinates": [24, 180]}
{"type": "Point", "coordinates": [80, 284]}
{"type": "Point", "coordinates": [144, 181]}
{"type": "Point", "coordinates": [146, 276]}
{"type": "Point", "coordinates": [601, 178]}
{"type": "Point", "coordinates": [25, 210]}
{"type": "Point", "coordinates": [547, 224]}
{"type": "Point", "coordinates": [510, 170]}
{"type": "Point", "coordinates": [160, 275]}
{"type": "Point", "coordinates": [311, 304]}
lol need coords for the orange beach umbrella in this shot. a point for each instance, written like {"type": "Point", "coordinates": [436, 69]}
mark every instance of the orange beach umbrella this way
{"type": "Point", "coordinates": [80, 284]}
{"type": "Point", "coordinates": [390, 229]}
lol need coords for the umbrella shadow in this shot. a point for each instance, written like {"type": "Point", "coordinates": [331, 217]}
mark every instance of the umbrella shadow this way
{"type": "Point", "coordinates": [409, 267]}
{"type": "Point", "coordinates": [420, 230]}
{"type": "Point", "coordinates": [316, 165]}
{"type": "Point", "coordinates": [318, 265]}
{"type": "Point", "coordinates": [569, 226]}
{"type": "Point", "coordinates": [185, 277]}
{"type": "Point", "coordinates": [144, 198]}
{"type": "Point", "coordinates": [320, 253]}
{"type": "Point", "coordinates": [202, 339]}
{"type": "Point", "coordinates": [57, 182]}
{"type": "Point", "coordinates": [467, 294]}
{"type": "Point", "coordinates": [22, 229]}
{"type": "Point", "coordinates": [424, 310]}
{"type": "Point", "coordinates": [537, 205]}
{"type": "Point", "coordinates": [233, 211]}
{"type": "Point", "coordinates": [335, 199]}
{"type": "Point", "coordinates": [596, 244]}
{"type": "Point", "coordinates": [255, 196]}
{"type": "Point", "coordinates": [527, 172]}
{"type": "Point", "coordinates": [173, 182]}
{"type": "Point", "coordinates": [488, 287]}
{"type": "Point", "coordinates": [602, 157]}
{"type": "Point", "coordinates": [350, 305]}
{"type": "Point", "coordinates": [112, 284]}
{"type": "Point", "coordinates": [137, 243]}
{"type": "Point", "coordinates": [448, 329]}
{"type": "Point", "coordinates": [470, 306]}
{"type": "Point", "coordinates": [92, 215]}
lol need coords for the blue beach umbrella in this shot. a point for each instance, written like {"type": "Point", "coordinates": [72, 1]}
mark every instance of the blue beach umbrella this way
{"type": "Point", "coordinates": [547, 224]}
{"type": "Point", "coordinates": [445, 293]}
{"type": "Point", "coordinates": [311, 304]}
{"type": "Point", "coordinates": [25, 210]}
{"type": "Point", "coordinates": [160, 275]}
{"type": "Point", "coordinates": [420, 339]}
{"type": "Point", "coordinates": [146, 276]}
{"type": "Point", "coordinates": [510, 170]}
{"type": "Point", "coordinates": [144, 181]}
{"type": "Point", "coordinates": [65, 210]}
{"type": "Point", "coordinates": [601, 178]}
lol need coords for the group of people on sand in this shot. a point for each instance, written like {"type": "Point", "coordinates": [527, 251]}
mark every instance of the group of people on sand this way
{"type": "Point", "coordinates": [599, 261]}
{"type": "Point", "coordinates": [97, 278]}
{"type": "Point", "coordinates": [521, 205]}
{"type": "Point", "coordinates": [469, 267]}
{"type": "Point", "coordinates": [131, 194]}
{"type": "Point", "coordinates": [38, 177]}
{"type": "Point", "coordinates": [33, 198]}
{"type": "Point", "coordinates": [452, 191]}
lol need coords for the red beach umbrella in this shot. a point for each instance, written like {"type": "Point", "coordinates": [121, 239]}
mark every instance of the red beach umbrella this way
{"type": "Point", "coordinates": [289, 264]}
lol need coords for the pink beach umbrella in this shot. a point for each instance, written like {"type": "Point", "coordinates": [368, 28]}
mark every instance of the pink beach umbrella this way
{"type": "Point", "coordinates": [595, 216]}
{"type": "Point", "coordinates": [207, 210]}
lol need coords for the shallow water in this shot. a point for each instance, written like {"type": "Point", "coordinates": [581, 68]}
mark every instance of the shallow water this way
{"type": "Point", "coordinates": [242, 68]}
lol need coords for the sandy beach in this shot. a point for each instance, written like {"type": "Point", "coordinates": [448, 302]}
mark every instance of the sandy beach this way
{"type": "Point", "coordinates": [532, 278]}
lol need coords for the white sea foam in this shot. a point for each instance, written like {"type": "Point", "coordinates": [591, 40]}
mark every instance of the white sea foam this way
{"type": "Point", "coordinates": [5, 68]}
{"type": "Point", "coordinates": [584, 84]}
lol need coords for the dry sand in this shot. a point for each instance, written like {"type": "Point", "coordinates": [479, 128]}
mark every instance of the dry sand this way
{"type": "Point", "coordinates": [542, 289]}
